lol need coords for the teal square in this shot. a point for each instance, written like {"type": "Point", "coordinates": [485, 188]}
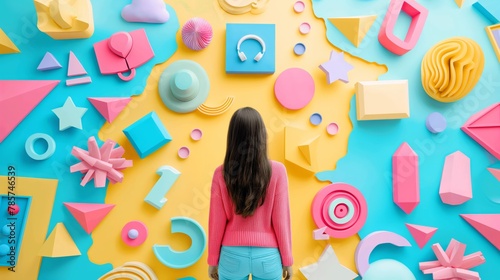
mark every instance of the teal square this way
{"type": "Point", "coordinates": [147, 134]}
{"type": "Point", "coordinates": [250, 47]}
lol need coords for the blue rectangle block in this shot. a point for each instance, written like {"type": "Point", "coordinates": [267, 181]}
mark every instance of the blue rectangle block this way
{"type": "Point", "coordinates": [12, 227]}
{"type": "Point", "coordinates": [147, 134]}
{"type": "Point", "coordinates": [253, 40]}
{"type": "Point", "coordinates": [490, 9]}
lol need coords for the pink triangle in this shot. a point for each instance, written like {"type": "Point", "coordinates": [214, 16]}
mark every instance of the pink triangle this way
{"type": "Point", "coordinates": [89, 215]}
{"type": "Point", "coordinates": [421, 234]}
{"type": "Point", "coordinates": [488, 226]}
{"type": "Point", "coordinates": [486, 133]}
{"type": "Point", "coordinates": [110, 107]}
{"type": "Point", "coordinates": [17, 99]}
{"type": "Point", "coordinates": [489, 118]}
{"type": "Point", "coordinates": [75, 68]}
{"type": "Point", "coordinates": [495, 172]}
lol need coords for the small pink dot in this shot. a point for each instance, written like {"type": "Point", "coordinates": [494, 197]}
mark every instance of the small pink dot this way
{"type": "Point", "coordinates": [13, 209]}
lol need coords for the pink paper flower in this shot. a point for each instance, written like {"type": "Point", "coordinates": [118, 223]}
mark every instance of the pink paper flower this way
{"type": "Point", "coordinates": [100, 163]}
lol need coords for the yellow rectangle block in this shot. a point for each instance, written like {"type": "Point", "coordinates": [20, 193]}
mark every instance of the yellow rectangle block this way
{"type": "Point", "coordinates": [382, 100]}
{"type": "Point", "coordinates": [495, 40]}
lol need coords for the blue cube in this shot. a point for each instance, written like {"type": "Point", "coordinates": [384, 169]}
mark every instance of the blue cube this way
{"type": "Point", "coordinates": [257, 37]}
{"type": "Point", "coordinates": [147, 134]}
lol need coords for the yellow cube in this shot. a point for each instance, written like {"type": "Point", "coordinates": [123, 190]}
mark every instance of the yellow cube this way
{"type": "Point", "coordinates": [382, 100]}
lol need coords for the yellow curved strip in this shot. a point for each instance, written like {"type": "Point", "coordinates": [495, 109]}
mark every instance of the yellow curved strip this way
{"type": "Point", "coordinates": [452, 68]}
{"type": "Point", "coordinates": [217, 110]}
{"type": "Point", "coordinates": [131, 271]}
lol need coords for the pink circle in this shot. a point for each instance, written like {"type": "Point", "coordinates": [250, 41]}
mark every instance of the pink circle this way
{"type": "Point", "coordinates": [332, 128]}
{"type": "Point", "coordinates": [13, 209]}
{"type": "Point", "coordinates": [304, 28]}
{"type": "Point", "coordinates": [141, 229]}
{"type": "Point", "coordinates": [183, 152]}
{"type": "Point", "coordinates": [196, 134]}
{"type": "Point", "coordinates": [299, 6]}
{"type": "Point", "coordinates": [326, 196]}
{"type": "Point", "coordinates": [294, 88]}
{"type": "Point", "coordinates": [341, 211]}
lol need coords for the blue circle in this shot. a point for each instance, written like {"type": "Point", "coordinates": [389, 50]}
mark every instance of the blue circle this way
{"type": "Point", "coordinates": [6, 230]}
{"type": "Point", "coordinates": [315, 119]}
{"type": "Point", "coordinates": [299, 49]}
{"type": "Point", "coordinates": [388, 269]}
{"type": "Point", "coordinates": [30, 150]}
{"type": "Point", "coordinates": [133, 233]}
{"type": "Point", "coordinates": [4, 249]}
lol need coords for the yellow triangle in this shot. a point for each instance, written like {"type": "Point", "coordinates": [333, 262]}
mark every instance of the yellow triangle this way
{"type": "Point", "coordinates": [308, 150]}
{"type": "Point", "coordinates": [459, 3]}
{"type": "Point", "coordinates": [59, 244]}
{"type": "Point", "coordinates": [354, 28]}
{"type": "Point", "coordinates": [6, 45]}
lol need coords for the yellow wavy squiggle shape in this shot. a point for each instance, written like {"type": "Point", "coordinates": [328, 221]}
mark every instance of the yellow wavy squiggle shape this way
{"type": "Point", "coordinates": [131, 271]}
{"type": "Point", "coordinates": [451, 68]}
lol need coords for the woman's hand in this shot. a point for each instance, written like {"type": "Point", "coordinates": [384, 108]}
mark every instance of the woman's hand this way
{"type": "Point", "coordinates": [287, 272]}
{"type": "Point", "coordinates": [213, 272]}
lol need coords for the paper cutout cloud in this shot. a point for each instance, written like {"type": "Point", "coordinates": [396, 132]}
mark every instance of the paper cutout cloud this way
{"type": "Point", "coordinates": [150, 11]}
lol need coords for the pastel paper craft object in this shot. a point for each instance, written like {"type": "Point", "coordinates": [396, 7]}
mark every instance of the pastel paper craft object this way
{"type": "Point", "coordinates": [123, 52]}
{"type": "Point", "coordinates": [456, 184]}
{"type": "Point", "coordinates": [75, 68]}
{"type": "Point", "coordinates": [148, 11]}
{"type": "Point", "coordinates": [421, 234]}
{"type": "Point", "coordinates": [17, 99]}
{"type": "Point", "coordinates": [156, 196]}
{"type": "Point", "coordinates": [175, 259]}
{"type": "Point", "coordinates": [59, 244]}
{"type": "Point", "coordinates": [89, 215]}
{"type": "Point", "coordinates": [386, 36]}
{"type": "Point", "coordinates": [370, 242]}
{"type": "Point", "coordinates": [388, 269]}
{"type": "Point", "coordinates": [49, 62]}
{"type": "Point", "coordinates": [336, 68]}
{"type": "Point", "coordinates": [489, 9]}
{"type": "Point", "coordinates": [382, 100]}
{"type": "Point", "coordinates": [327, 266]}
{"type": "Point", "coordinates": [484, 128]}
{"type": "Point", "coordinates": [495, 172]}
{"type": "Point", "coordinates": [405, 178]}
{"type": "Point", "coordinates": [452, 264]}
{"type": "Point", "coordinates": [354, 28]}
{"type": "Point", "coordinates": [147, 134]}
{"type": "Point", "coordinates": [100, 163]}
{"type": "Point", "coordinates": [130, 270]}
{"type": "Point", "coordinates": [62, 19]}
{"type": "Point", "coordinates": [110, 107]}
{"type": "Point", "coordinates": [6, 44]}
{"type": "Point", "coordinates": [488, 225]}
{"type": "Point", "coordinates": [69, 115]}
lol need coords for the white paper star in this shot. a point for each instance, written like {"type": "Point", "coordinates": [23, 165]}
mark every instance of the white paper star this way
{"type": "Point", "coordinates": [328, 267]}
{"type": "Point", "coordinates": [69, 115]}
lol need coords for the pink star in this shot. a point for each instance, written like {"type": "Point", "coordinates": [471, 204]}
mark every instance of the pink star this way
{"type": "Point", "coordinates": [452, 264]}
{"type": "Point", "coordinates": [336, 68]}
{"type": "Point", "coordinates": [100, 163]}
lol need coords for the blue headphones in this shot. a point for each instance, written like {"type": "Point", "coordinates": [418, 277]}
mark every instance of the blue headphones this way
{"type": "Point", "coordinates": [242, 55]}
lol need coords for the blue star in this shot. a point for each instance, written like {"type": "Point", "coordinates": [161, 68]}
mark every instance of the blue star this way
{"type": "Point", "coordinates": [69, 115]}
{"type": "Point", "coordinates": [336, 68]}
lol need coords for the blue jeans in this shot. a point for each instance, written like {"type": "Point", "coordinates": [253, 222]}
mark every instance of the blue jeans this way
{"type": "Point", "coordinates": [238, 262]}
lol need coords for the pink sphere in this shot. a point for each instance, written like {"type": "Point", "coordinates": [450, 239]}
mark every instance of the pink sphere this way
{"type": "Point", "coordinates": [197, 34]}
{"type": "Point", "coordinates": [13, 209]}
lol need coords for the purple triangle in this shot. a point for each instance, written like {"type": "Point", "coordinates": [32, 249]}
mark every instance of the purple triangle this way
{"type": "Point", "coordinates": [49, 62]}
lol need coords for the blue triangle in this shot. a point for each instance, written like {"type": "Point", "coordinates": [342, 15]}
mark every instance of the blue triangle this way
{"type": "Point", "coordinates": [49, 62]}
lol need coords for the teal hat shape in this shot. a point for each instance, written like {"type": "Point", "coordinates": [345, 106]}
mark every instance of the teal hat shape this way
{"type": "Point", "coordinates": [183, 86]}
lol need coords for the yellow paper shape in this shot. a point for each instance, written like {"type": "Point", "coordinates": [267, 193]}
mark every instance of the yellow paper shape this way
{"type": "Point", "coordinates": [382, 100]}
{"type": "Point", "coordinates": [354, 28]}
{"type": "Point", "coordinates": [71, 19]}
{"type": "Point", "coordinates": [59, 244]}
{"type": "Point", "coordinates": [459, 3]}
{"type": "Point", "coordinates": [131, 270]}
{"type": "Point", "coordinates": [42, 192]}
{"type": "Point", "coordinates": [301, 148]}
{"type": "Point", "coordinates": [6, 45]}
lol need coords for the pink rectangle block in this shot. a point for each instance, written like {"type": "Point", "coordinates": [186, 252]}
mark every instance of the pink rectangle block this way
{"type": "Point", "coordinates": [405, 178]}
{"type": "Point", "coordinates": [78, 81]}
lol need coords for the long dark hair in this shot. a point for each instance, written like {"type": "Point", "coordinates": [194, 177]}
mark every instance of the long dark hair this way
{"type": "Point", "coordinates": [247, 170]}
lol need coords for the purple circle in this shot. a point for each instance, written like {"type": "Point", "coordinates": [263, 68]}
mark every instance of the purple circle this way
{"type": "Point", "coordinates": [315, 119]}
{"type": "Point", "coordinates": [304, 28]}
{"type": "Point", "coordinates": [332, 128]}
{"type": "Point", "coordinates": [196, 134]}
{"type": "Point", "coordinates": [299, 49]}
{"type": "Point", "coordinates": [299, 6]}
{"type": "Point", "coordinates": [133, 234]}
{"type": "Point", "coordinates": [183, 152]}
{"type": "Point", "coordinates": [435, 122]}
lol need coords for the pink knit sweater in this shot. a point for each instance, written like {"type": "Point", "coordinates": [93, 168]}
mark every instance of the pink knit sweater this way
{"type": "Point", "coordinates": [269, 226]}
